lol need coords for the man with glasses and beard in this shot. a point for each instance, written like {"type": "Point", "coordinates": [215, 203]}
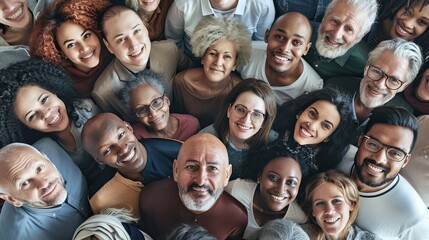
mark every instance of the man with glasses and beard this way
{"type": "Point", "coordinates": [389, 206]}
{"type": "Point", "coordinates": [196, 195]}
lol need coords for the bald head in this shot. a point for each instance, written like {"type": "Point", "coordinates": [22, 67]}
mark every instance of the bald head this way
{"type": "Point", "coordinates": [296, 22]}
{"type": "Point", "coordinates": [201, 142]}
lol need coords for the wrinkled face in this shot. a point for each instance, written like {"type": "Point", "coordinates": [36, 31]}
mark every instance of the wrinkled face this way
{"type": "Point", "coordinates": [288, 40]}
{"type": "Point", "coordinates": [423, 88]}
{"type": "Point", "coordinates": [375, 170]}
{"type": "Point", "coordinates": [331, 209]}
{"type": "Point", "coordinates": [316, 123]}
{"type": "Point", "coordinates": [219, 60]}
{"type": "Point", "coordinates": [243, 128]}
{"type": "Point", "coordinates": [339, 31]}
{"type": "Point", "coordinates": [128, 39]}
{"type": "Point", "coordinates": [279, 183]}
{"type": "Point", "coordinates": [15, 13]}
{"type": "Point", "coordinates": [201, 173]}
{"type": "Point", "coordinates": [81, 46]}
{"type": "Point", "coordinates": [375, 93]}
{"type": "Point", "coordinates": [148, 5]}
{"type": "Point", "coordinates": [143, 96]}
{"type": "Point", "coordinates": [410, 23]}
{"type": "Point", "coordinates": [40, 109]}
{"type": "Point", "coordinates": [33, 180]}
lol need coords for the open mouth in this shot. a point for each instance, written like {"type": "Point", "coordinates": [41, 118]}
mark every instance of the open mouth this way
{"type": "Point", "coordinates": [87, 56]}
{"type": "Point", "coordinates": [281, 58]}
{"type": "Point", "coordinates": [16, 14]}
{"type": "Point", "coordinates": [243, 127]}
{"type": "Point", "coordinates": [137, 53]}
{"type": "Point", "coordinates": [305, 132]}
{"type": "Point", "coordinates": [54, 117]}
{"type": "Point", "coordinates": [331, 220]}
{"type": "Point", "coordinates": [130, 156]}
{"type": "Point", "coordinates": [278, 198]}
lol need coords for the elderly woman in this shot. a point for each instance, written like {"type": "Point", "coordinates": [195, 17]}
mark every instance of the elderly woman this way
{"type": "Point", "coordinates": [223, 45]}
{"type": "Point", "coordinates": [145, 96]}
{"type": "Point", "coordinates": [67, 34]}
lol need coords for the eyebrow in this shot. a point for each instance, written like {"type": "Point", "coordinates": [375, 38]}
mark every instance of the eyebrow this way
{"type": "Point", "coordinates": [120, 34]}
{"type": "Point", "coordinates": [106, 144]}
{"type": "Point", "coordinates": [390, 146]}
{"type": "Point", "coordinates": [71, 40]}
{"type": "Point", "coordinates": [295, 34]}
{"type": "Point", "coordinates": [38, 100]}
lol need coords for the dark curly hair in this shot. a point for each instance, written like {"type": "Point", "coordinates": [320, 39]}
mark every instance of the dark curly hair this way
{"type": "Point", "coordinates": [32, 72]}
{"type": "Point", "coordinates": [43, 43]}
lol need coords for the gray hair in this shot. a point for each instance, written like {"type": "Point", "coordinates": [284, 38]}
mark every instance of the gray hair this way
{"type": "Point", "coordinates": [280, 229]}
{"type": "Point", "coordinates": [401, 49]}
{"type": "Point", "coordinates": [122, 214]}
{"type": "Point", "coordinates": [211, 29]}
{"type": "Point", "coordinates": [369, 7]}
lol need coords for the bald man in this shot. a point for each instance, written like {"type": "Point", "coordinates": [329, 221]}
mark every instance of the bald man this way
{"type": "Point", "coordinates": [196, 195]}
{"type": "Point", "coordinates": [45, 193]}
{"type": "Point", "coordinates": [279, 61]}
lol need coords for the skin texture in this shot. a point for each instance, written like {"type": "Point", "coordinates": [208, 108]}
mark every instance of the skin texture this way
{"type": "Point", "coordinates": [201, 171]}
{"type": "Point", "coordinates": [316, 123]}
{"type": "Point", "coordinates": [15, 13]}
{"type": "Point", "coordinates": [81, 46]}
{"type": "Point", "coordinates": [128, 39]}
{"type": "Point", "coordinates": [27, 177]}
{"type": "Point", "coordinates": [223, 4]}
{"type": "Point", "coordinates": [373, 170]}
{"type": "Point", "coordinates": [148, 6]}
{"type": "Point", "coordinates": [219, 60]}
{"type": "Point", "coordinates": [331, 209]}
{"type": "Point", "coordinates": [423, 88]}
{"type": "Point", "coordinates": [410, 24]}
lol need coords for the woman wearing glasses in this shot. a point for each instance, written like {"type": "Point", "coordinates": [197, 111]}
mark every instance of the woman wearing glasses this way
{"type": "Point", "coordinates": [244, 121]}
{"type": "Point", "coordinates": [146, 99]}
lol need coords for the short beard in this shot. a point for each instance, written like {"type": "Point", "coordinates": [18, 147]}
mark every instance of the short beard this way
{"type": "Point", "coordinates": [368, 182]}
{"type": "Point", "coordinates": [195, 205]}
{"type": "Point", "coordinates": [329, 51]}
{"type": "Point", "coordinates": [368, 102]}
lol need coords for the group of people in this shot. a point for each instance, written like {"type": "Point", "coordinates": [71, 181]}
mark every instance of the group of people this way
{"type": "Point", "coordinates": [208, 119]}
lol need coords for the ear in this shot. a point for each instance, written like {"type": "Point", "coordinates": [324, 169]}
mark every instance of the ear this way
{"type": "Point", "coordinates": [175, 170]}
{"type": "Point", "coordinates": [228, 174]}
{"type": "Point", "coordinates": [99, 161]}
{"type": "Point", "coordinates": [360, 139]}
{"type": "Point", "coordinates": [128, 126]}
{"type": "Point", "coordinates": [11, 200]}
{"type": "Point", "coordinates": [406, 160]}
{"type": "Point", "coordinates": [108, 46]}
{"type": "Point", "coordinates": [352, 206]}
{"type": "Point", "coordinates": [307, 48]}
{"type": "Point", "coordinates": [267, 34]}
{"type": "Point", "coordinates": [167, 100]}
{"type": "Point", "coordinates": [227, 111]}
{"type": "Point", "coordinates": [235, 66]}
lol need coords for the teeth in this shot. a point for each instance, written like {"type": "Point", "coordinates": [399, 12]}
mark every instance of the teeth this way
{"type": "Point", "coordinates": [130, 156]}
{"type": "Point", "coordinates": [331, 220]}
{"type": "Point", "coordinates": [401, 30]}
{"type": "Point", "coordinates": [282, 58]}
{"type": "Point", "coordinates": [199, 189]}
{"type": "Point", "coordinates": [136, 53]}
{"type": "Point", "coordinates": [306, 133]}
{"type": "Point", "coordinates": [88, 55]}
{"type": "Point", "coordinates": [375, 169]}
{"type": "Point", "coordinates": [243, 127]}
{"type": "Point", "coordinates": [278, 198]}
{"type": "Point", "coordinates": [55, 119]}
{"type": "Point", "coordinates": [16, 14]}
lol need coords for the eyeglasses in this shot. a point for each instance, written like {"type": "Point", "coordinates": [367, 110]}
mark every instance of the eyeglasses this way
{"type": "Point", "coordinates": [392, 153]}
{"type": "Point", "coordinates": [375, 74]}
{"type": "Point", "coordinates": [155, 104]}
{"type": "Point", "coordinates": [241, 111]}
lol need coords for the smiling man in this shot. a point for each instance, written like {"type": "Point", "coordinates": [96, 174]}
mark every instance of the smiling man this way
{"type": "Point", "coordinates": [389, 206]}
{"type": "Point", "coordinates": [196, 195]}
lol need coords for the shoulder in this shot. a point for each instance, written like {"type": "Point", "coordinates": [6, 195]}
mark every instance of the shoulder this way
{"type": "Point", "coordinates": [356, 233]}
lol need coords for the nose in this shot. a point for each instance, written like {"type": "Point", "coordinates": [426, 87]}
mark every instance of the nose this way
{"type": "Point", "coordinates": [337, 33]}
{"type": "Point", "coordinates": [380, 156]}
{"type": "Point", "coordinates": [329, 208]}
{"type": "Point", "coordinates": [6, 6]}
{"type": "Point", "coordinates": [311, 126]}
{"type": "Point", "coordinates": [152, 112]}
{"type": "Point", "coordinates": [287, 46]}
{"type": "Point", "coordinates": [381, 83]}
{"type": "Point", "coordinates": [83, 47]}
{"type": "Point", "coordinates": [219, 61]}
{"type": "Point", "coordinates": [201, 177]}
{"type": "Point", "coordinates": [42, 183]}
{"type": "Point", "coordinates": [122, 148]}
{"type": "Point", "coordinates": [246, 118]}
{"type": "Point", "coordinates": [132, 43]}
{"type": "Point", "coordinates": [281, 187]}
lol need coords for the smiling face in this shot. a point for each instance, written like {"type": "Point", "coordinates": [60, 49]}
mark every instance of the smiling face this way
{"type": "Point", "coordinates": [40, 109]}
{"type": "Point", "coordinates": [409, 24]}
{"type": "Point", "coordinates": [219, 60]}
{"type": "Point", "coordinates": [375, 93]}
{"type": "Point", "coordinates": [331, 209]}
{"type": "Point", "coordinates": [15, 13]}
{"type": "Point", "coordinates": [316, 123]}
{"type": "Point", "coordinates": [340, 30]}
{"type": "Point", "coordinates": [81, 46]}
{"type": "Point", "coordinates": [279, 183]}
{"type": "Point", "coordinates": [144, 95]}
{"type": "Point", "coordinates": [31, 179]}
{"type": "Point", "coordinates": [288, 40]}
{"type": "Point", "coordinates": [423, 88]}
{"type": "Point", "coordinates": [148, 6]}
{"type": "Point", "coordinates": [128, 39]}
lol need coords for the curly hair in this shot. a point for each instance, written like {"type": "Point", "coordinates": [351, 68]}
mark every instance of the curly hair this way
{"type": "Point", "coordinates": [32, 72]}
{"type": "Point", "coordinates": [211, 29]}
{"type": "Point", "coordinates": [43, 43]}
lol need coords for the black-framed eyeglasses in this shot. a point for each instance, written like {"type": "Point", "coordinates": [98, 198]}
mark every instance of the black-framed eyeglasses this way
{"type": "Point", "coordinates": [392, 153]}
{"type": "Point", "coordinates": [155, 104]}
{"type": "Point", "coordinates": [375, 74]}
{"type": "Point", "coordinates": [241, 111]}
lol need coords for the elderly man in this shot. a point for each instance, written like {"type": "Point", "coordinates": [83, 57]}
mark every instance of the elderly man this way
{"type": "Point", "coordinates": [389, 206]}
{"type": "Point", "coordinates": [111, 142]}
{"type": "Point", "coordinates": [279, 61]}
{"type": "Point", "coordinates": [45, 192]}
{"type": "Point", "coordinates": [339, 50]}
{"type": "Point", "coordinates": [196, 195]}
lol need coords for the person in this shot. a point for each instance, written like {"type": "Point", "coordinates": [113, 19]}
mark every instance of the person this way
{"type": "Point", "coordinates": [331, 203]}
{"type": "Point", "coordinates": [417, 93]}
{"type": "Point", "coordinates": [338, 49]}
{"type": "Point", "coordinates": [384, 149]}
{"type": "Point", "coordinates": [312, 9]}
{"type": "Point", "coordinates": [39, 97]}
{"type": "Point", "coordinates": [43, 190]}
{"type": "Point", "coordinates": [184, 16]}
{"type": "Point", "coordinates": [189, 232]}
{"type": "Point", "coordinates": [153, 14]}
{"type": "Point", "coordinates": [273, 195]}
{"type": "Point", "coordinates": [67, 34]}
{"type": "Point", "coordinates": [127, 38]}
{"type": "Point", "coordinates": [280, 229]}
{"type": "Point", "coordinates": [145, 96]}
{"type": "Point", "coordinates": [224, 45]}
{"type": "Point", "coordinates": [196, 195]}
{"type": "Point", "coordinates": [111, 142]}
{"type": "Point", "coordinates": [110, 224]}
{"type": "Point", "coordinates": [279, 62]}
{"type": "Point", "coordinates": [244, 122]}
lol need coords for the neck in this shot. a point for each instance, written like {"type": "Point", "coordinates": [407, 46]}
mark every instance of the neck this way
{"type": "Point", "coordinates": [262, 213]}
{"type": "Point", "coordinates": [170, 130]}
{"type": "Point", "coordinates": [361, 111]}
{"type": "Point", "coordinates": [66, 138]}
{"type": "Point", "coordinates": [217, 86]}
{"type": "Point", "coordinates": [238, 143]}
{"type": "Point", "coordinates": [286, 78]}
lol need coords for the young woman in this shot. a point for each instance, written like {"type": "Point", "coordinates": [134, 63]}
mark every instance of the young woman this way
{"type": "Point", "coordinates": [223, 45]}
{"type": "Point", "coordinates": [417, 94]}
{"type": "Point", "coordinates": [244, 121]}
{"type": "Point", "coordinates": [272, 196]}
{"type": "Point", "coordinates": [146, 98]}
{"type": "Point", "coordinates": [67, 34]}
{"type": "Point", "coordinates": [331, 204]}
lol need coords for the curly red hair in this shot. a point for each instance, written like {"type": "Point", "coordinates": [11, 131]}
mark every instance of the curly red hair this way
{"type": "Point", "coordinates": [43, 42]}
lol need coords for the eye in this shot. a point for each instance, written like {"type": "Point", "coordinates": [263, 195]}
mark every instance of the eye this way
{"type": "Point", "coordinates": [191, 168]}
{"type": "Point", "coordinates": [211, 53]}
{"type": "Point", "coordinates": [32, 116]}
{"type": "Point", "coordinates": [107, 151]}
{"type": "Point", "coordinates": [280, 37]}
{"type": "Point", "coordinates": [71, 45]}
{"type": "Point", "coordinates": [39, 169]}
{"type": "Point", "coordinates": [292, 183]}
{"type": "Point", "coordinates": [312, 114]}
{"type": "Point", "coordinates": [296, 43]}
{"type": "Point", "coordinates": [120, 40]}
{"type": "Point", "coordinates": [326, 126]}
{"type": "Point", "coordinates": [273, 178]}
{"type": "Point", "coordinates": [227, 56]}
{"type": "Point", "coordinates": [319, 203]}
{"type": "Point", "coordinates": [24, 185]}
{"type": "Point", "coordinates": [137, 31]}
{"type": "Point", "coordinates": [213, 169]}
{"type": "Point", "coordinates": [241, 110]}
{"type": "Point", "coordinates": [121, 135]}
{"type": "Point", "coordinates": [334, 21]}
{"type": "Point", "coordinates": [337, 201]}
{"type": "Point", "coordinates": [44, 99]}
{"type": "Point", "coordinates": [349, 29]}
{"type": "Point", "coordinates": [422, 22]}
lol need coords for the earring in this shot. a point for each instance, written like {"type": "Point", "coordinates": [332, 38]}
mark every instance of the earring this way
{"type": "Point", "coordinates": [297, 116]}
{"type": "Point", "coordinates": [227, 114]}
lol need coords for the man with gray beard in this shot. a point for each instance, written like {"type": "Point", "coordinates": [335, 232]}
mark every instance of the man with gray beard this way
{"type": "Point", "coordinates": [196, 195]}
{"type": "Point", "coordinates": [339, 50]}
